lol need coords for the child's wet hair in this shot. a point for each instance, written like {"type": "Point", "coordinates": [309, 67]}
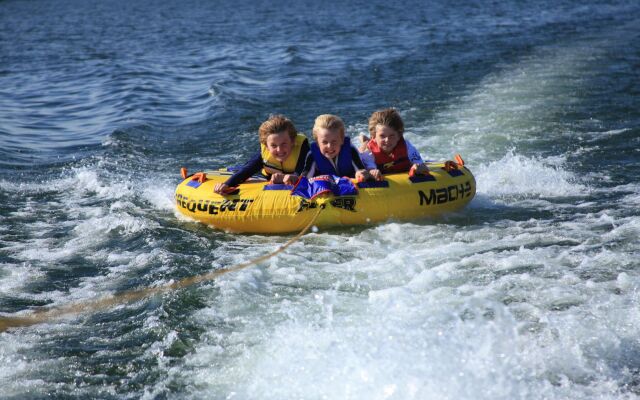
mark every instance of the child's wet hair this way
{"type": "Point", "coordinates": [328, 121]}
{"type": "Point", "coordinates": [276, 124]}
{"type": "Point", "coordinates": [388, 117]}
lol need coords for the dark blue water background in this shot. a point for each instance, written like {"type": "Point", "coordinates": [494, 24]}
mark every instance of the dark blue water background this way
{"type": "Point", "coordinates": [532, 292]}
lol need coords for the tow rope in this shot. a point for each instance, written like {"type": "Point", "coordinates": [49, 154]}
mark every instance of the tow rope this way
{"type": "Point", "coordinates": [46, 315]}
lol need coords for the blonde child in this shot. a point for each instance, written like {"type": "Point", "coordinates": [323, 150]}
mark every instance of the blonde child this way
{"type": "Point", "coordinates": [388, 148]}
{"type": "Point", "coordinates": [332, 153]}
{"type": "Point", "coordinates": [282, 154]}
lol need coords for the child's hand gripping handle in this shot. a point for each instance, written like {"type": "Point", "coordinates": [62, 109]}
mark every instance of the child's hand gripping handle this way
{"type": "Point", "coordinates": [451, 165]}
{"type": "Point", "coordinates": [418, 169]}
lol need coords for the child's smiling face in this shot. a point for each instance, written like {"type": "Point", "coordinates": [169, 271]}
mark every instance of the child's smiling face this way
{"type": "Point", "coordinates": [329, 141]}
{"type": "Point", "coordinates": [386, 138]}
{"type": "Point", "coordinates": [279, 145]}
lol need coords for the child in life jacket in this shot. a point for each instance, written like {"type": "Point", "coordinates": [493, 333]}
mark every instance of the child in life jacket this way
{"type": "Point", "coordinates": [389, 149]}
{"type": "Point", "coordinates": [332, 153]}
{"type": "Point", "coordinates": [282, 154]}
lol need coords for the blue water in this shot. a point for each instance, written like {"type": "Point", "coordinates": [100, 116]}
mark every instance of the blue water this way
{"type": "Point", "coordinates": [531, 292]}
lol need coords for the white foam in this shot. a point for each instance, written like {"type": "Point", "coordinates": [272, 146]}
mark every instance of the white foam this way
{"type": "Point", "coordinates": [534, 308]}
{"type": "Point", "coordinates": [519, 176]}
{"type": "Point", "coordinates": [160, 196]}
{"type": "Point", "coordinates": [600, 135]}
{"type": "Point", "coordinates": [15, 276]}
{"type": "Point", "coordinates": [85, 236]}
{"type": "Point", "coordinates": [14, 367]}
{"type": "Point", "coordinates": [90, 208]}
{"type": "Point", "coordinates": [410, 311]}
{"type": "Point", "coordinates": [514, 107]}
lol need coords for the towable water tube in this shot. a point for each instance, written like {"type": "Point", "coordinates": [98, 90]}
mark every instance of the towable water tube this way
{"type": "Point", "coordinates": [260, 207]}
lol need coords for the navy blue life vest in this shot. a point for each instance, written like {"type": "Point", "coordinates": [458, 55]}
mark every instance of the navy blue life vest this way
{"type": "Point", "coordinates": [345, 162]}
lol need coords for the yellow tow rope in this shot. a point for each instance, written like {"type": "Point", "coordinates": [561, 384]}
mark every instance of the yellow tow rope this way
{"type": "Point", "coordinates": [41, 316]}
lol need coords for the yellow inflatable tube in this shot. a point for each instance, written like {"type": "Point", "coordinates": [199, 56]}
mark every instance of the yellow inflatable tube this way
{"type": "Point", "coordinates": [259, 207]}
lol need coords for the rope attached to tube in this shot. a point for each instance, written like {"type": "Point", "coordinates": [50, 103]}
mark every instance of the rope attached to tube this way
{"type": "Point", "coordinates": [41, 316]}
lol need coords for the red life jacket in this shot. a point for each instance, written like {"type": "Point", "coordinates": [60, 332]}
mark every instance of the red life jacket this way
{"type": "Point", "coordinates": [397, 161]}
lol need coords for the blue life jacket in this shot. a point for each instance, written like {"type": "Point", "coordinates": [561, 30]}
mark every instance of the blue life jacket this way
{"type": "Point", "coordinates": [345, 163]}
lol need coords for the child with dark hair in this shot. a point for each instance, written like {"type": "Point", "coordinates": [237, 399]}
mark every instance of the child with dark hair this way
{"type": "Point", "coordinates": [388, 147]}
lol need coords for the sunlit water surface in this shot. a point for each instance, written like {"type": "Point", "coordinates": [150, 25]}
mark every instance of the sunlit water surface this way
{"type": "Point", "coordinates": [531, 292]}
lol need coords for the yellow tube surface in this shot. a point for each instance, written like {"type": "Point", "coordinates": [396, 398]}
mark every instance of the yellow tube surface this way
{"type": "Point", "coordinates": [258, 208]}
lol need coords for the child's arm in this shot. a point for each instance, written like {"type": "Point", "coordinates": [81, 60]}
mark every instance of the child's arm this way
{"type": "Point", "coordinates": [356, 160]}
{"type": "Point", "coordinates": [368, 160]}
{"type": "Point", "coordinates": [362, 173]}
{"type": "Point", "coordinates": [413, 153]}
{"type": "Point", "coordinates": [418, 167]}
{"type": "Point", "coordinates": [309, 168]}
{"type": "Point", "coordinates": [364, 140]}
{"type": "Point", "coordinates": [302, 158]}
{"type": "Point", "coordinates": [250, 168]}
{"type": "Point", "coordinates": [370, 166]}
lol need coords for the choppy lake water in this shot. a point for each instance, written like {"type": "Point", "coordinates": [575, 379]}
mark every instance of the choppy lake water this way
{"type": "Point", "coordinates": [531, 292]}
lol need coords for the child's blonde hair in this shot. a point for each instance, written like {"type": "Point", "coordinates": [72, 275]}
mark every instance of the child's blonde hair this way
{"type": "Point", "coordinates": [276, 124]}
{"type": "Point", "coordinates": [387, 117]}
{"type": "Point", "coordinates": [328, 121]}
